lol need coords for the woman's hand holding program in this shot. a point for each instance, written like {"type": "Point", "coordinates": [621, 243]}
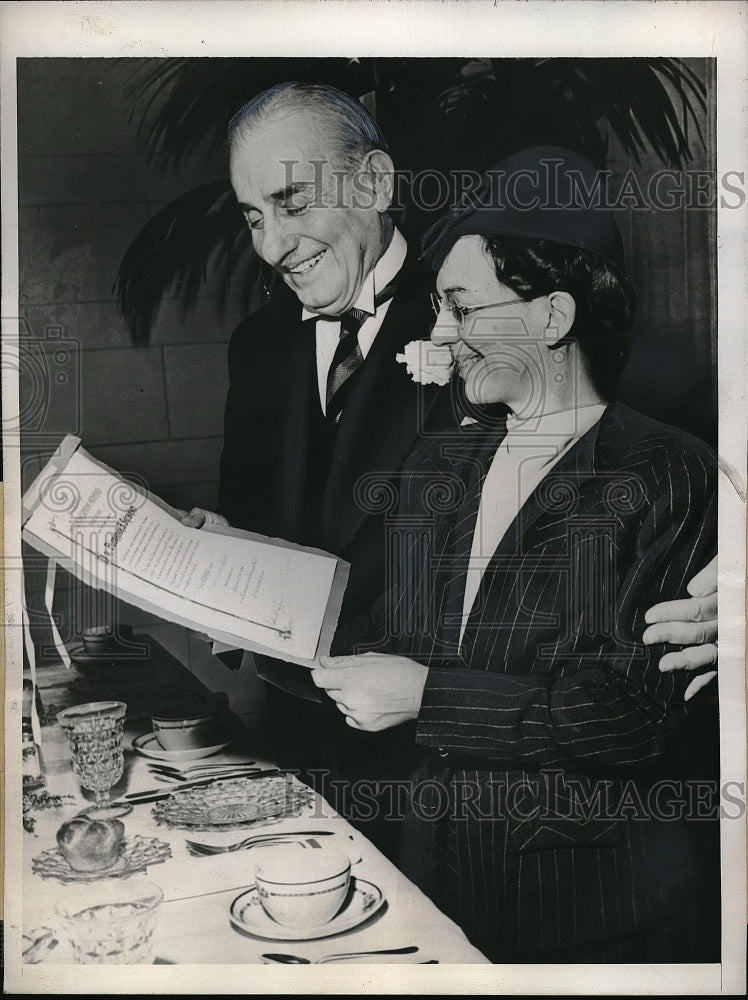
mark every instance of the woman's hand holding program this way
{"type": "Point", "coordinates": [374, 691]}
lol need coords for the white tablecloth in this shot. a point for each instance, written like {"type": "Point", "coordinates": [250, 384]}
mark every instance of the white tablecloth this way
{"type": "Point", "coordinates": [194, 926]}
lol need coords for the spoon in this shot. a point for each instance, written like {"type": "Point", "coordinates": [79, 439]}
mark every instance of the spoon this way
{"type": "Point", "coordinates": [300, 960]}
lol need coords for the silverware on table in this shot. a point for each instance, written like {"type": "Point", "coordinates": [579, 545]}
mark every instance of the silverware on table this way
{"type": "Point", "coordinates": [197, 852]}
{"type": "Point", "coordinates": [184, 780]}
{"type": "Point", "coordinates": [247, 842]}
{"type": "Point", "coordinates": [196, 768]}
{"type": "Point", "coordinates": [156, 794]}
{"type": "Point", "coordinates": [286, 959]}
{"type": "Point", "coordinates": [175, 772]}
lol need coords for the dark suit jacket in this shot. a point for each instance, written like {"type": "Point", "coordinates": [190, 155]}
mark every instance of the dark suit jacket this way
{"type": "Point", "coordinates": [278, 478]}
{"type": "Point", "coordinates": [272, 449]}
{"type": "Point", "coordinates": [553, 700]}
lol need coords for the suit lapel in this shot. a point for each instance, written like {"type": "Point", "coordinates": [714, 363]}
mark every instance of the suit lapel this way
{"type": "Point", "coordinates": [576, 468]}
{"type": "Point", "coordinates": [297, 363]}
{"type": "Point", "coordinates": [563, 481]}
{"type": "Point", "coordinates": [381, 418]}
{"type": "Point", "coordinates": [479, 448]}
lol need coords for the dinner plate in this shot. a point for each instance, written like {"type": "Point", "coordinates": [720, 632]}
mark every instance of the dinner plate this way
{"type": "Point", "coordinates": [364, 898]}
{"type": "Point", "coordinates": [148, 745]}
{"type": "Point", "coordinates": [235, 803]}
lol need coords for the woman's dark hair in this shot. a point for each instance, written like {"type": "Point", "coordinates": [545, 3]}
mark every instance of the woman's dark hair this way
{"type": "Point", "coordinates": [604, 298]}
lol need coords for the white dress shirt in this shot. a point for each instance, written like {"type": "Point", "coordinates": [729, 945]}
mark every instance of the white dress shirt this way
{"type": "Point", "coordinates": [523, 459]}
{"type": "Point", "coordinates": [328, 330]}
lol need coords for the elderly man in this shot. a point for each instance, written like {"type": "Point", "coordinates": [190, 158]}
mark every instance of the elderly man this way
{"type": "Point", "coordinates": [317, 399]}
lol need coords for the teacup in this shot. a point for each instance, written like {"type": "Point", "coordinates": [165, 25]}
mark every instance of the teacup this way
{"type": "Point", "coordinates": [187, 732]}
{"type": "Point", "coordinates": [302, 889]}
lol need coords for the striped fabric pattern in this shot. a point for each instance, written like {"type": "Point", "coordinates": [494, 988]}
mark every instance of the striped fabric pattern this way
{"type": "Point", "coordinates": [347, 357]}
{"type": "Point", "coordinates": [552, 695]}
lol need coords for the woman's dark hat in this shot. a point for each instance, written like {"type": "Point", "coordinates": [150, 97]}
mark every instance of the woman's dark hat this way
{"type": "Point", "coordinates": [540, 193]}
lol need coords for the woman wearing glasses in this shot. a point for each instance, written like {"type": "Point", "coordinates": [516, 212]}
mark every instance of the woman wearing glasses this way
{"type": "Point", "coordinates": [544, 819]}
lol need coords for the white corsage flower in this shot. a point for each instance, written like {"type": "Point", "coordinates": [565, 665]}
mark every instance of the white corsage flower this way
{"type": "Point", "coordinates": [427, 363]}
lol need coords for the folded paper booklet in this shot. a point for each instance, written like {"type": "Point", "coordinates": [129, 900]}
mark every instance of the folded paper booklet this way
{"type": "Point", "coordinates": [241, 589]}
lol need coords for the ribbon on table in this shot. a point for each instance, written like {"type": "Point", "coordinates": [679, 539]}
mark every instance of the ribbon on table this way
{"type": "Point", "coordinates": [36, 728]}
{"type": "Point", "coordinates": [49, 596]}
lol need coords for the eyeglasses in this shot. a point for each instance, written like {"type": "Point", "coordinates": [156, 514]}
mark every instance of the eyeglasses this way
{"type": "Point", "coordinates": [461, 313]}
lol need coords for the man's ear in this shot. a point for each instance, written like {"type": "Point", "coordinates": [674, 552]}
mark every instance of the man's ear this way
{"type": "Point", "coordinates": [382, 170]}
{"type": "Point", "coordinates": [562, 310]}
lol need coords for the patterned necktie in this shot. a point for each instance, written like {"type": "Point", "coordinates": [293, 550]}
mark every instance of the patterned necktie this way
{"type": "Point", "coordinates": [346, 359]}
{"type": "Point", "coordinates": [348, 356]}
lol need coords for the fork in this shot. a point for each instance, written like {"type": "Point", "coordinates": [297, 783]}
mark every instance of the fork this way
{"type": "Point", "coordinates": [208, 850]}
{"type": "Point", "coordinates": [222, 772]}
{"type": "Point", "coordinates": [217, 765]}
{"type": "Point", "coordinates": [194, 847]}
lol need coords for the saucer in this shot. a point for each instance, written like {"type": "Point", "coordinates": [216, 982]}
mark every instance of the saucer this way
{"type": "Point", "coordinates": [148, 745]}
{"type": "Point", "coordinates": [364, 898]}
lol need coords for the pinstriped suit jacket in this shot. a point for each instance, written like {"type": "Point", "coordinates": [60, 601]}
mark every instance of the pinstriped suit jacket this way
{"type": "Point", "coordinates": [550, 727]}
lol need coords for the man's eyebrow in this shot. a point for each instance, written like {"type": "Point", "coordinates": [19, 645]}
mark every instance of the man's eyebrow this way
{"type": "Point", "coordinates": [297, 187]}
{"type": "Point", "coordinates": [457, 288]}
{"type": "Point", "coordinates": [278, 197]}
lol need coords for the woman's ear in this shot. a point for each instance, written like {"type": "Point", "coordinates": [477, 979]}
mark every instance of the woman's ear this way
{"type": "Point", "coordinates": [562, 310]}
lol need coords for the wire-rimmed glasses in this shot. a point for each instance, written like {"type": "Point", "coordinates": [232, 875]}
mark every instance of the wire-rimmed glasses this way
{"type": "Point", "coordinates": [461, 313]}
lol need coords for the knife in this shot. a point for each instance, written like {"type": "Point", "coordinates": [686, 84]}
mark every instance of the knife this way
{"type": "Point", "coordinates": [213, 772]}
{"type": "Point", "coordinates": [155, 794]}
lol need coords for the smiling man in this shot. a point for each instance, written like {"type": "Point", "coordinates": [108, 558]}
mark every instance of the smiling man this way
{"type": "Point", "coordinates": [317, 400]}
{"type": "Point", "coordinates": [282, 168]}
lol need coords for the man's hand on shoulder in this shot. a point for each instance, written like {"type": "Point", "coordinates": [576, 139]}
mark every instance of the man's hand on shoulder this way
{"type": "Point", "coordinates": [691, 623]}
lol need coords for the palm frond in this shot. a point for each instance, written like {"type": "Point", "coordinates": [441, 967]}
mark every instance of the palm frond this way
{"type": "Point", "coordinates": [184, 105]}
{"type": "Point", "coordinates": [442, 114]}
{"type": "Point", "coordinates": [637, 103]}
{"type": "Point", "coordinates": [567, 101]}
{"type": "Point", "coordinates": [200, 231]}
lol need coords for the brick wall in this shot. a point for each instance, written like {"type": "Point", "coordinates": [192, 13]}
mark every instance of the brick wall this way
{"type": "Point", "coordinates": [85, 189]}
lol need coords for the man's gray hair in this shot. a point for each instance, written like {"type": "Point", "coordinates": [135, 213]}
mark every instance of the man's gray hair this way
{"type": "Point", "coordinates": [356, 130]}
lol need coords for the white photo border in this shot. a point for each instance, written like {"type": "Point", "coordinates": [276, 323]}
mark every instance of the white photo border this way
{"type": "Point", "coordinates": [351, 28]}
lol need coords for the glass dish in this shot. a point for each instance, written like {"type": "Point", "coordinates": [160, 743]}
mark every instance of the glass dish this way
{"type": "Point", "coordinates": [234, 803]}
{"type": "Point", "coordinates": [137, 853]}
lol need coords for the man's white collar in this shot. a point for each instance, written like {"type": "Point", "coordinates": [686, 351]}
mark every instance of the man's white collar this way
{"type": "Point", "coordinates": [384, 271]}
